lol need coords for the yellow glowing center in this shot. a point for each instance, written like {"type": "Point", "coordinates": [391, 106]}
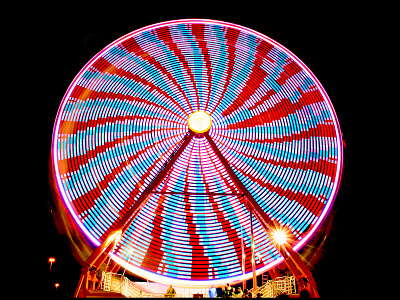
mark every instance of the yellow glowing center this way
{"type": "Point", "coordinates": [280, 237]}
{"type": "Point", "coordinates": [199, 122]}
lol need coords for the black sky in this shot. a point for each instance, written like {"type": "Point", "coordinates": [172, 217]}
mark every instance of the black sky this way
{"type": "Point", "coordinates": [55, 43]}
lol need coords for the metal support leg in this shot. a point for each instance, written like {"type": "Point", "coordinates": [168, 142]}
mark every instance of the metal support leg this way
{"type": "Point", "coordinates": [82, 280]}
{"type": "Point", "coordinates": [253, 258]}
{"type": "Point", "coordinates": [304, 270]}
{"type": "Point", "coordinates": [273, 273]}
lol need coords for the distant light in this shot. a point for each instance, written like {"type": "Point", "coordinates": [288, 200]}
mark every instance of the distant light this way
{"type": "Point", "coordinates": [280, 237]}
{"type": "Point", "coordinates": [51, 260]}
{"type": "Point", "coordinates": [57, 285]}
{"type": "Point", "coordinates": [199, 122]}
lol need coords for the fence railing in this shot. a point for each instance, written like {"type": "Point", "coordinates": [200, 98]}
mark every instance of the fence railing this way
{"type": "Point", "coordinates": [279, 285]}
{"type": "Point", "coordinates": [161, 295]}
{"type": "Point", "coordinates": [266, 290]}
{"type": "Point", "coordinates": [117, 283]}
{"type": "Point", "coordinates": [113, 282]}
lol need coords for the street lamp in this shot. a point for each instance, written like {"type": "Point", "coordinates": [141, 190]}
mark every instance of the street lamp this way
{"type": "Point", "coordinates": [51, 260]}
{"type": "Point", "coordinates": [57, 285]}
{"type": "Point", "coordinates": [280, 237]}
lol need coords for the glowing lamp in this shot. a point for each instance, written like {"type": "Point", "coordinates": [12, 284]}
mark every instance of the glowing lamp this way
{"type": "Point", "coordinates": [51, 260]}
{"type": "Point", "coordinates": [280, 237]}
{"type": "Point", "coordinates": [199, 122]}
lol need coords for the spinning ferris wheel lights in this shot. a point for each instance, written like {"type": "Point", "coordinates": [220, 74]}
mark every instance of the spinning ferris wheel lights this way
{"type": "Point", "coordinates": [123, 159]}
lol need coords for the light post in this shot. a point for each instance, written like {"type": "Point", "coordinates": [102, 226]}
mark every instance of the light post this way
{"type": "Point", "coordinates": [51, 260]}
{"type": "Point", "coordinates": [130, 255]}
{"type": "Point", "coordinates": [253, 259]}
{"type": "Point", "coordinates": [243, 258]}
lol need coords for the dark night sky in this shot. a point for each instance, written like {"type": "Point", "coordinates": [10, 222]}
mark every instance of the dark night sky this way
{"type": "Point", "coordinates": [57, 43]}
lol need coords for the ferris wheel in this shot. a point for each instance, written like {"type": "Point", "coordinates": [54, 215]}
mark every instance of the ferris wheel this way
{"type": "Point", "coordinates": [182, 144]}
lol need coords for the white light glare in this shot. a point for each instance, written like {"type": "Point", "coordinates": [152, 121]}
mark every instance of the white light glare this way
{"type": "Point", "coordinates": [199, 122]}
{"type": "Point", "coordinates": [280, 237]}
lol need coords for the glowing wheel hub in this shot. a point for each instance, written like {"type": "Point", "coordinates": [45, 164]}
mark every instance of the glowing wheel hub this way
{"type": "Point", "coordinates": [199, 122]}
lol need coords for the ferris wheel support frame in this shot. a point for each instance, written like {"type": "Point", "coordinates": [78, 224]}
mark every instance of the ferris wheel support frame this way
{"type": "Point", "coordinates": [291, 258]}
